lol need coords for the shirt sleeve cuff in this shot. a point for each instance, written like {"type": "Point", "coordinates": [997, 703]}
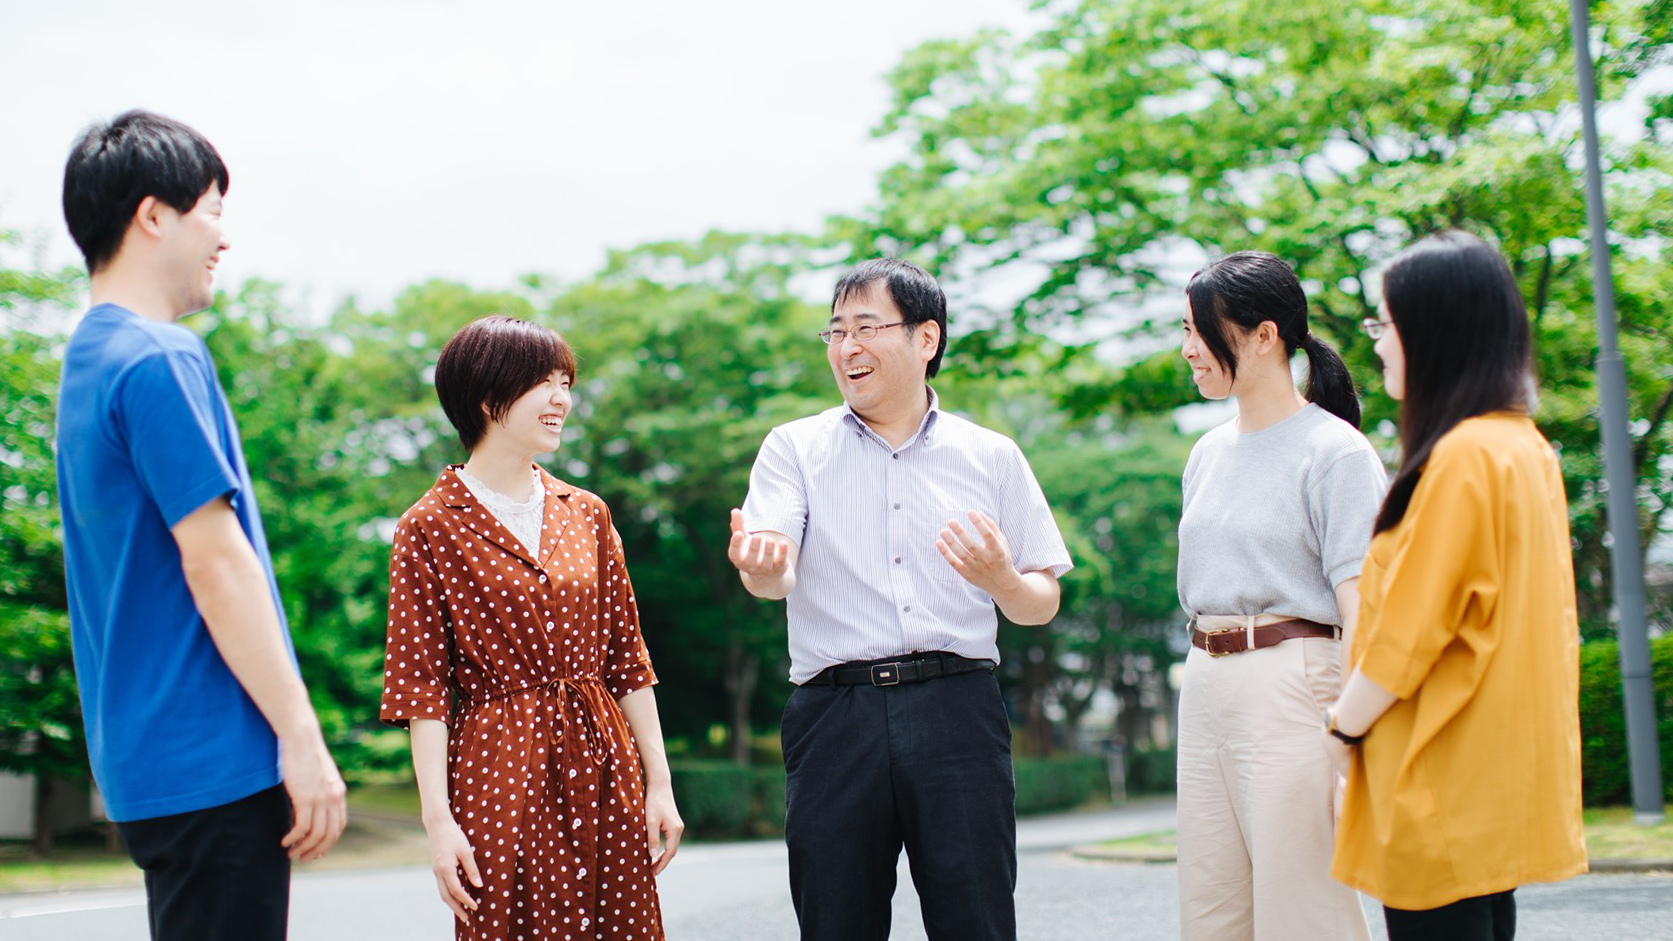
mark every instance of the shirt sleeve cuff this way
{"type": "Point", "coordinates": [1056, 565]}
{"type": "Point", "coordinates": [1346, 571]}
{"type": "Point", "coordinates": [790, 528]}
{"type": "Point", "coordinates": [624, 681]}
{"type": "Point", "coordinates": [400, 711]}
{"type": "Point", "coordinates": [190, 501]}
{"type": "Point", "coordinates": [1393, 670]}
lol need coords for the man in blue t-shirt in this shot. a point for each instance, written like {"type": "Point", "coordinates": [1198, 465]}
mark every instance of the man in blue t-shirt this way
{"type": "Point", "coordinates": [202, 739]}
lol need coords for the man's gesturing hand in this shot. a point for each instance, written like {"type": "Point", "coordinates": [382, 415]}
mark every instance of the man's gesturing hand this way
{"type": "Point", "coordinates": [765, 560]}
{"type": "Point", "coordinates": [982, 556]}
{"type": "Point", "coordinates": [758, 555]}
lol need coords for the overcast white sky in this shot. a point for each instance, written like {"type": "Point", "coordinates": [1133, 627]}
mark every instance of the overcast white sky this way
{"type": "Point", "coordinates": [375, 143]}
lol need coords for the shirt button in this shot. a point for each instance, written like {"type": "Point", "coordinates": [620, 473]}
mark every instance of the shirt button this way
{"type": "Point", "coordinates": [897, 560]}
{"type": "Point", "coordinates": [908, 609]}
{"type": "Point", "coordinates": [897, 506]}
{"type": "Point", "coordinates": [895, 456]}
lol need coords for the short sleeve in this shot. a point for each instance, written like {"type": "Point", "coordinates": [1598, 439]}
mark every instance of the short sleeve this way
{"type": "Point", "coordinates": [1441, 572]}
{"type": "Point", "coordinates": [170, 415]}
{"type": "Point", "coordinates": [1025, 518]}
{"type": "Point", "coordinates": [777, 499]}
{"type": "Point", "coordinates": [1343, 506]}
{"type": "Point", "coordinates": [417, 658]}
{"type": "Point", "coordinates": [627, 661]}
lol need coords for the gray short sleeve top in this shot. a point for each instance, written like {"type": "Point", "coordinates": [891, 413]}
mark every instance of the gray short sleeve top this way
{"type": "Point", "coordinates": [1274, 520]}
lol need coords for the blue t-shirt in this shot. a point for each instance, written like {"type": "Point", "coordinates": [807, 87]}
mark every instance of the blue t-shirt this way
{"type": "Point", "coordinates": [145, 436]}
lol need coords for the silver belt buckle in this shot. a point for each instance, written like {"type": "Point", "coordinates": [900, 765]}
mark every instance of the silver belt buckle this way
{"type": "Point", "coordinates": [885, 674]}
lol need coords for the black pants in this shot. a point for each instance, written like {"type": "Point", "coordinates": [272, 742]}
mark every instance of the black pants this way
{"type": "Point", "coordinates": [923, 765]}
{"type": "Point", "coordinates": [217, 874]}
{"type": "Point", "coordinates": [1482, 918]}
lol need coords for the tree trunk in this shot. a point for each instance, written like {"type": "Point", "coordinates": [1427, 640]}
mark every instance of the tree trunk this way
{"type": "Point", "coordinates": [742, 671]}
{"type": "Point", "coordinates": [1036, 680]}
{"type": "Point", "coordinates": [44, 789]}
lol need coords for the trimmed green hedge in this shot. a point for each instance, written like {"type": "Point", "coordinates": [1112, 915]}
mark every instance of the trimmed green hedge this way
{"type": "Point", "coordinates": [1060, 783]}
{"type": "Point", "coordinates": [1605, 773]}
{"type": "Point", "coordinates": [720, 800]}
{"type": "Point", "coordinates": [1152, 771]}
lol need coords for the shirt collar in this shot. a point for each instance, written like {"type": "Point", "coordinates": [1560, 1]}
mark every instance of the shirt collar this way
{"type": "Point", "coordinates": [931, 417]}
{"type": "Point", "coordinates": [454, 493]}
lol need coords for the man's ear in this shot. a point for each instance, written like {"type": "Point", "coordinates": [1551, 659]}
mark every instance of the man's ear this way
{"type": "Point", "coordinates": [930, 333]}
{"type": "Point", "coordinates": [148, 216]}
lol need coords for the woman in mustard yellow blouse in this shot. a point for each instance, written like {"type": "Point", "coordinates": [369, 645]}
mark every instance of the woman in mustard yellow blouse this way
{"type": "Point", "coordinates": [1459, 725]}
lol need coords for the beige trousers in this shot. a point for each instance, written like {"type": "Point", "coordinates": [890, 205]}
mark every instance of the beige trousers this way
{"type": "Point", "coordinates": [1256, 824]}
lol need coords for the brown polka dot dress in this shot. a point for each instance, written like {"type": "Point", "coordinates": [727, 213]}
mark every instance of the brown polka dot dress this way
{"type": "Point", "coordinates": [543, 775]}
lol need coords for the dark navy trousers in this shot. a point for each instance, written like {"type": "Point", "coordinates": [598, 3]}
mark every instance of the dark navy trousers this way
{"type": "Point", "coordinates": [921, 766]}
{"type": "Point", "coordinates": [1481, 918]}
{"type": "Point", "coordinates": [217, 874]}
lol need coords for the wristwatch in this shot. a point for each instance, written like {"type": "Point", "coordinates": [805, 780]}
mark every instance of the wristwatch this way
{"type": "Point", "coordinates": [1341, 736]}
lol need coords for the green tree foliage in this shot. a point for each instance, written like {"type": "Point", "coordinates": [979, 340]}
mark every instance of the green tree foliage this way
{"type": "Point", "coordinates": [690, 354]}
{"type": "Point", "coordinates": [1100, 160]}
{"type": "Point", "coordinates": [40, 715]}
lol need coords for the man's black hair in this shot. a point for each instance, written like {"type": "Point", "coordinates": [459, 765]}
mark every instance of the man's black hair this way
{"type": "Point", "coordinates": [914, 291]}
{"type": "Point", "coordinates": [114, 166]}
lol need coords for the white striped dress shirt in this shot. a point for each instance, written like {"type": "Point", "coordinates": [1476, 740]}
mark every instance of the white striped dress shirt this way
{"type": "Point", "coordinates": [869, 580]}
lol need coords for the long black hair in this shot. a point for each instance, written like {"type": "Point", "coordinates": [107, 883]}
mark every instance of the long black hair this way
{"type": "Point", "coordinates": [1468, 349]}
{"type": "Point", "coordinates": [1247, 288]}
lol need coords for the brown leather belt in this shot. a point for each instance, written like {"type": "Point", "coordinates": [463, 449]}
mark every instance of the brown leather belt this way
{"type": "Point", "coordinates": [1236, 639]}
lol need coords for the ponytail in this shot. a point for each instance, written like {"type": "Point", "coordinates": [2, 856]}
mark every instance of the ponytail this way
{"type": "Point", "coordinates": [1245, 289]}
{"type": "Point", "coordinates": [1328, 383]}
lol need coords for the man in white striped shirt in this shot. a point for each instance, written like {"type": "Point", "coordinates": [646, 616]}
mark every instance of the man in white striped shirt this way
{"type": "Point", "coordinates": [893, 529]}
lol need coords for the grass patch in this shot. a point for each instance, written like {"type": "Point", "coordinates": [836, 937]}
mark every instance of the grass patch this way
{"type": "Point", "coordinates": [1149, 844]}
{"type": "Point", "coordinates": [389, 799]}
{"type": "Point", "coordinates": [79, 859]}
{"type": "Point", "coordinates": [1612, 834]}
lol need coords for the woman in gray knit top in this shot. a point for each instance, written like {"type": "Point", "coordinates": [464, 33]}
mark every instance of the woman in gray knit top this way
{"type": "Point", "coordinates": [1279, 504]}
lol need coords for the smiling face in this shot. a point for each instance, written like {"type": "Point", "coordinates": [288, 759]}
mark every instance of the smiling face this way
{"type": "Point", "coordinates": [534, 422]}
{"type": "Point", "coordinates": [191, 245]}
{"type": "Point", "coordinates": [885, 374]}
{"type": "Point", "coordinates": [1206, 371]}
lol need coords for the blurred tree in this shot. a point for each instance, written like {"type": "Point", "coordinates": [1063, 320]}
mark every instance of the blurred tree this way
{"type": "Point", "coordinates": [690, 354]}
{"type": "Point", "coordinates": [343, 432]}
{"type": "Point", "coordinates": [1097, 162]}
{"type": "Point", "coordinates": [40, 715]}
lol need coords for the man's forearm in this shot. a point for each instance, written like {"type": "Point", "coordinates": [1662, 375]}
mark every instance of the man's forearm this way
{"type": "Point", "coordinates": [231, 592]}
{"type": "Point", "coordinates": [1031, 599]}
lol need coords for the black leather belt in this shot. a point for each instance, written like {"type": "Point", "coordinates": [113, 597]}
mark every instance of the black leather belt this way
{"type": "Point", "coordinates": [893, 671]}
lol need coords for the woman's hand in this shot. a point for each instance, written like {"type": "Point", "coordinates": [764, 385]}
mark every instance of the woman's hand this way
{"type": "Point", "coordinates": [663, 825]}
{"type": "Point", "coordinates": [450, 851]}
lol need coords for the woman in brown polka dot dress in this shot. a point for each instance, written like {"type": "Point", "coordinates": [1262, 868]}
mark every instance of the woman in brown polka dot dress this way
{"type": "Point", "coordinates": [515, 657]}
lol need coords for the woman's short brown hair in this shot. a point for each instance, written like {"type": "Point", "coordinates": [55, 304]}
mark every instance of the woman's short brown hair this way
{"type": "Point", "coordinates": [489, 365]}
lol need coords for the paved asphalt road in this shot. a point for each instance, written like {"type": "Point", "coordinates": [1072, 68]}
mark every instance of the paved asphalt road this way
{"type": "Point", "coordinates": [736, 892]}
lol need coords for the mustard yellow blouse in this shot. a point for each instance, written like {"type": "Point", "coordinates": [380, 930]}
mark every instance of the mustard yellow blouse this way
{"type": "Point", "coordinates": [1470, 784]}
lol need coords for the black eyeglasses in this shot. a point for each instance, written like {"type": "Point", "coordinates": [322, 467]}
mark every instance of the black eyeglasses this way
{"type": "Point", "coordinates": [1375, 328]}
{"type": "Point", "coordinates": [863, 332]}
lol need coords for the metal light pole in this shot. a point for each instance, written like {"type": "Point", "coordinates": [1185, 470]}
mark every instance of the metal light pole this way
{"type": "Point", "coordinates": [1627, 561]}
